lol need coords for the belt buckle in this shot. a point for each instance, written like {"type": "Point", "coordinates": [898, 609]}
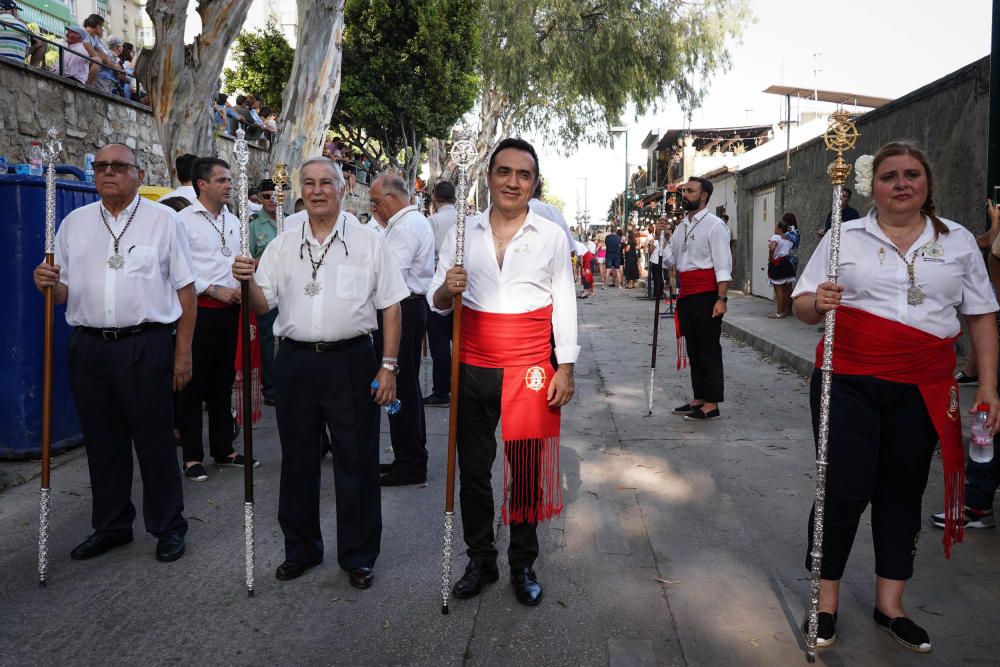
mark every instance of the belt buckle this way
{"type": "Point", "coordinates": [317, 347]}
{"type": "Point", "coordinates": [109, 334]}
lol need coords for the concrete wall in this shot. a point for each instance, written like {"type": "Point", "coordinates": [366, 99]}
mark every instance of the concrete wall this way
{"type": "Point", "coordinates": [948, 119]}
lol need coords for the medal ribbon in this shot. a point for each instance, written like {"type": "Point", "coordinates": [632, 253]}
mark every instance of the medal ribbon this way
{"type": "Point", "coordinates": [128, 222]}
{"type": "Point", "coordinates": [222, 232]}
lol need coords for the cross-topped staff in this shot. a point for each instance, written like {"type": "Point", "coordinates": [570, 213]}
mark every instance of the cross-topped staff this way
{"type": "Point", "coordinates": [656, 309]}
{"type": "Point", "coordinates": [463, 154]}
{"type": "Point", "coordinates": [50, 150]}
{"type": "Point", "coordinates": [841, 135]}
{"type": "Point", "coordinates": [242, 154]}
{"type": "Point", "coordinates": [280, 177]}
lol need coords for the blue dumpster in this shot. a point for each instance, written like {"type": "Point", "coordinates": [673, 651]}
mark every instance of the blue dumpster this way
{"type": "Point", "coordinates": [22, 233]}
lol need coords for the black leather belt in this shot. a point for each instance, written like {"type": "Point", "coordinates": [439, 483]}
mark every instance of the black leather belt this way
{"type": "Point", "coordinates": [112, 333]}
{"type": "Point", "coordinates": [323, 346]}
{"type": "Point", "coordinates": [416, 296]}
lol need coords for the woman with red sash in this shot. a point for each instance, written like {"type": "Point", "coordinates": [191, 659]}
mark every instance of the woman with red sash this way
{"type": "Point", "coordinates": [518, 298]}
{"type": "Point", "coordinates": [904, 276]}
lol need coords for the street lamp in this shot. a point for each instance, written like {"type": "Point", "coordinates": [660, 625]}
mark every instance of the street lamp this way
{"type": "Point", "coordinates": [623, 130]}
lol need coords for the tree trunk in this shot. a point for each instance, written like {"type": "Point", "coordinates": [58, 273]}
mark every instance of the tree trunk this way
{"type": "Point", "coordinates": [314, 86]}
{"type": "Point", "coordinates": [181, 79]}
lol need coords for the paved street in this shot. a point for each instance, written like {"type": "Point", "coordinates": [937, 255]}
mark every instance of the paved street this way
{"type": "Point", "coordinates": [680, 544]}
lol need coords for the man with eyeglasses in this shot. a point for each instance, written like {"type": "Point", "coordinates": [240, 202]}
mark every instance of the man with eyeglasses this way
{"type": "Point", "coordinates": [411, 238]}
{"type": "Point", "coordinates": [213, 234]}
{"type": "Point", "coordinates": [699, 249]}
{"type": "Point", "coordinates": [328, 276]}
{"type": "Point", "coordinates": [263, 229]}
{"type": "Point", "coordinates": [122, 268]}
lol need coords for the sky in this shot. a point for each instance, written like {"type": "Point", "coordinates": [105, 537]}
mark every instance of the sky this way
{"type": "Point", "coordinates": [884, 48]}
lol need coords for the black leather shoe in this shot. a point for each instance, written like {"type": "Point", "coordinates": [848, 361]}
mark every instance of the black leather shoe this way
{"type": "Point", "coordinates": [478, 573]}
{"type": "Point", "coordinates": [362, 577]}
{"type": "Point", "coordinates": [97, 544]}
{"type": "Point", "coordinates": [397, 479]}
{"type": "Point", "coordinates": [289, 570]}
{"type": "Point", "coordinates": [385, 467]}
{"type": "Point", "coordinates": [527, 590]}
{"type": "Point", "coordinates": [437, 401]}
{"type": "Point", "coordinates": [169, 548]}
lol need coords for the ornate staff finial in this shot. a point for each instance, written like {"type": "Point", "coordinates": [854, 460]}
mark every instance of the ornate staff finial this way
{"type": "Point", "coordinates": [51, 149]}
{"type": "Point", "coordinates": [841, 135]}
{"type": "Point", "coordinates": [242, 153]}
{"type": "Point", "coordinates": [463, 154]}
{"type": "Point", "coordinates": [280, 177]}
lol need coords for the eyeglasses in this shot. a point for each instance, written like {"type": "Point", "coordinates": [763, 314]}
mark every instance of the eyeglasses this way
{"type": "Point", "coordinates": [266, 195]}
{"type": "Point", "coordinates": [117, 167]}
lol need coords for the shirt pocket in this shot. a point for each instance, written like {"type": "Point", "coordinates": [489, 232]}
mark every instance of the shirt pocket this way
{"type": "Point", "coordinates": [142, 262]}
{"type": "Point", "coordinates": [353, 283]}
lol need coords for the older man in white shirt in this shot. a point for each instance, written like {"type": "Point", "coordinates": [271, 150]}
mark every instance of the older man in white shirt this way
{"type": "Point", "coordinates": [410, 237]}
{"type": "Point", "coordinates": [123, 271]}
{"type": "Point", "coordinates": [518, 297]}
{"type": "Point", "coordinates": [328, 277]}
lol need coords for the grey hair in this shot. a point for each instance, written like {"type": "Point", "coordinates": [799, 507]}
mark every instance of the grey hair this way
{"type": "Point", "coordinates": [115, 42]}
{"type": "Point", "coordinates": [395, 184]}
{"type": "Point", "coordinates": [328, 162]}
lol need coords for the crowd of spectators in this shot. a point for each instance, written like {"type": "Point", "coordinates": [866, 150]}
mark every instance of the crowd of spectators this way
{"type": "Point", "coordinates": [82, 54]}
{"type": "Point", "coordinates": [257, 119]}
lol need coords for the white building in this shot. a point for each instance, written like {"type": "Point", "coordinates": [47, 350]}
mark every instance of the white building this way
{"type": "Point", "coordinates": [124, 18]}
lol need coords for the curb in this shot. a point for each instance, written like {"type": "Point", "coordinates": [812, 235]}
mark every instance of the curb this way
{"type": "Point", "coordinates": [17, 478]}
{"type": "Point", "coordinates": [801, 364]}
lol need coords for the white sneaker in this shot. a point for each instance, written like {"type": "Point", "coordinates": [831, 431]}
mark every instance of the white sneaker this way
{"type": "Point", "coordinates": [973, 519]}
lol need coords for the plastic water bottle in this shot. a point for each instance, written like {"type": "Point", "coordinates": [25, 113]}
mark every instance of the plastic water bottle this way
{"type": "Point", "coordinates": [980, 438]}
{"type": "Point", "coordinates": [35, 159]}
{"type": "Point", "coordinates": [88, 167]}
{"type": "Point", "coordinates": [394, 407]}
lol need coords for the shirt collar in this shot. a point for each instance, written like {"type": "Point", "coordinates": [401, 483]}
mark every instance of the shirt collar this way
{"type": "Point", "coordinates": [128, 209]}
{"type": "Point", "coordinates": [338, 230]}
{"type": "Point", "coordinates": [697, 217]}
{"type": "Point", "coordinates": [482, 220]}
{"type": "Point", "coordinates": [871, 226]}
{"type": "Point", "coordinates": [399, 214]}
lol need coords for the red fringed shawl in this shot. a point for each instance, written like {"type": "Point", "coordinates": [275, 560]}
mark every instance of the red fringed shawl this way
{"type": "Point", "coordinates": [866, 344]}
{"type": "Point", "coordinates": [521, 345]}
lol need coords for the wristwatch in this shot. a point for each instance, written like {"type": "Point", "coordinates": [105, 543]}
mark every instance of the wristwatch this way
{"type": "Point", "coordinates": [393, 368]}
{"type": "Point", "coordinates": [723, 299]}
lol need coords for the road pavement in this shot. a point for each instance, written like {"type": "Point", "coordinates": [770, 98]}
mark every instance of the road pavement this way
{"type": "Point", "coordinates": [680, 544]}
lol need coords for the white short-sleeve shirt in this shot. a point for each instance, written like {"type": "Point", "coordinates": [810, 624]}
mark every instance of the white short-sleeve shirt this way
{"type": "Point", "coordinates": [205, 236]}
{"type": "Point", "coordinates": [157, 264]}
{"type": "Point", "coordinates": [700, 242]}
{"type": "Point", "coordinates": [358, 277]}
{"type": "Point", "coordinates": [949, 270]}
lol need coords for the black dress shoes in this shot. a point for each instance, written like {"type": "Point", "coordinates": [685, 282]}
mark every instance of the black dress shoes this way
{"type": "Point", "coordinates": [169, 548]}
{"type": "Point", "coordinates": [99, 543]}
{"type": "Point", "coordinates": [398, 479]}
{"type": "Point", "coordinates": [362, 577]}
{"type": "Point", "coordinates": [478, 573]}
{"type": "Point", "coordinates": [527, 590]}
{"type": "Point", "coordinates": [289, 570]}
{"type": "Point", "coordinates": [385, 467]}
{"type": "Point", "coordinates": [437, 401]}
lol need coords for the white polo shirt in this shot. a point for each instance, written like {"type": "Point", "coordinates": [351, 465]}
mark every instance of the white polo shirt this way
{"type": "Point", "coordinates": [205, 234]}
{"type": "Point", "coordinates": [951, 275]}
{"type": "Point", "coordinates": [358, 277]}
{"type": "Point", "coordinates": [157, 264]}
{"type": "Point", "coordinates": [536, 272]}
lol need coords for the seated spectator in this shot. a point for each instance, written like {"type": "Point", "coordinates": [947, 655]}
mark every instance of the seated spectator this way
{"type": "Point", "coordinates": [270, 128]}
{"type": "Point", "coordinates": [225, 119]}
{"type": "Point", "coordinates": [250, 126]}
{"type": "Point", "coordinates": [125, 58]}
{"type": "Point", "coordinates": [74, 57]}
{"type": "Point", "coordinates": [101, 77]}
{"type": "Point", "coordinates": [14, 34]}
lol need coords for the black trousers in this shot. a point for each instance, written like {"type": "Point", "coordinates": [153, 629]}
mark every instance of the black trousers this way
{"type": "Point", "coordinates": [880, 447]}
{"type": "Point", "coordinates": [318, 390]}
{"type": "Point", "coordinates": [407, 427]}
{"type": "Point", "coordinates": [701, 336]}
{"type": "Point", "coordinates": [213, 352]}
{"type": "Point", "coordinates": [123, 391]}
{"type": "Point", "coordinates": [657, 279]}
{"type": "Point", "coordinates": [439, 340]}
{"type": "Point", "coordinates": [478, 415]}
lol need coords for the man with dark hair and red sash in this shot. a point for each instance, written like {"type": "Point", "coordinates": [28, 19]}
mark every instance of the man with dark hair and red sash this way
{"type": "Point", "coordinates": [699, 249]}
{"type": "Point", "coordinates": [518, 298]}
{"type": "Point", "coordinates": [904, 275]}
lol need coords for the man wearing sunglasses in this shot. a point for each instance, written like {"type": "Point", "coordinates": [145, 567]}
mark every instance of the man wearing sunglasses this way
{"type": "Point", "coordinates": [122, 268]}
{"type": "Point", "coordinates": [263, 229]}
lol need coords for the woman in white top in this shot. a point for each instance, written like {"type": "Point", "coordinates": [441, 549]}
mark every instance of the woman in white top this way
{"type": "Point", "coordinates": [780, 270]}
{"type": "Point", "coordinates": [904, 277]}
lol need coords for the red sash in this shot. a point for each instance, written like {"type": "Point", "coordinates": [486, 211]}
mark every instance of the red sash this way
{"type": "Point", "coordinates": [866, 344]}
{"type": "Point", "coordinates": [256, 382]}
{"type": "Point", "coordinates": [205, 301]}
{"type": "Point", "coordinates": [696, 281]}
{"type": "Point", "coordinates": [521, 345]}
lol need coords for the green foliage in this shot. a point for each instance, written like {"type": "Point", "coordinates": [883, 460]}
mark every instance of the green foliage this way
{"type": "Point", "coordinates": [409, 73]}
{"type": "Point", "coordinates": [567, 69]}
{"type": "Point", "coordinates": [263, 60]}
